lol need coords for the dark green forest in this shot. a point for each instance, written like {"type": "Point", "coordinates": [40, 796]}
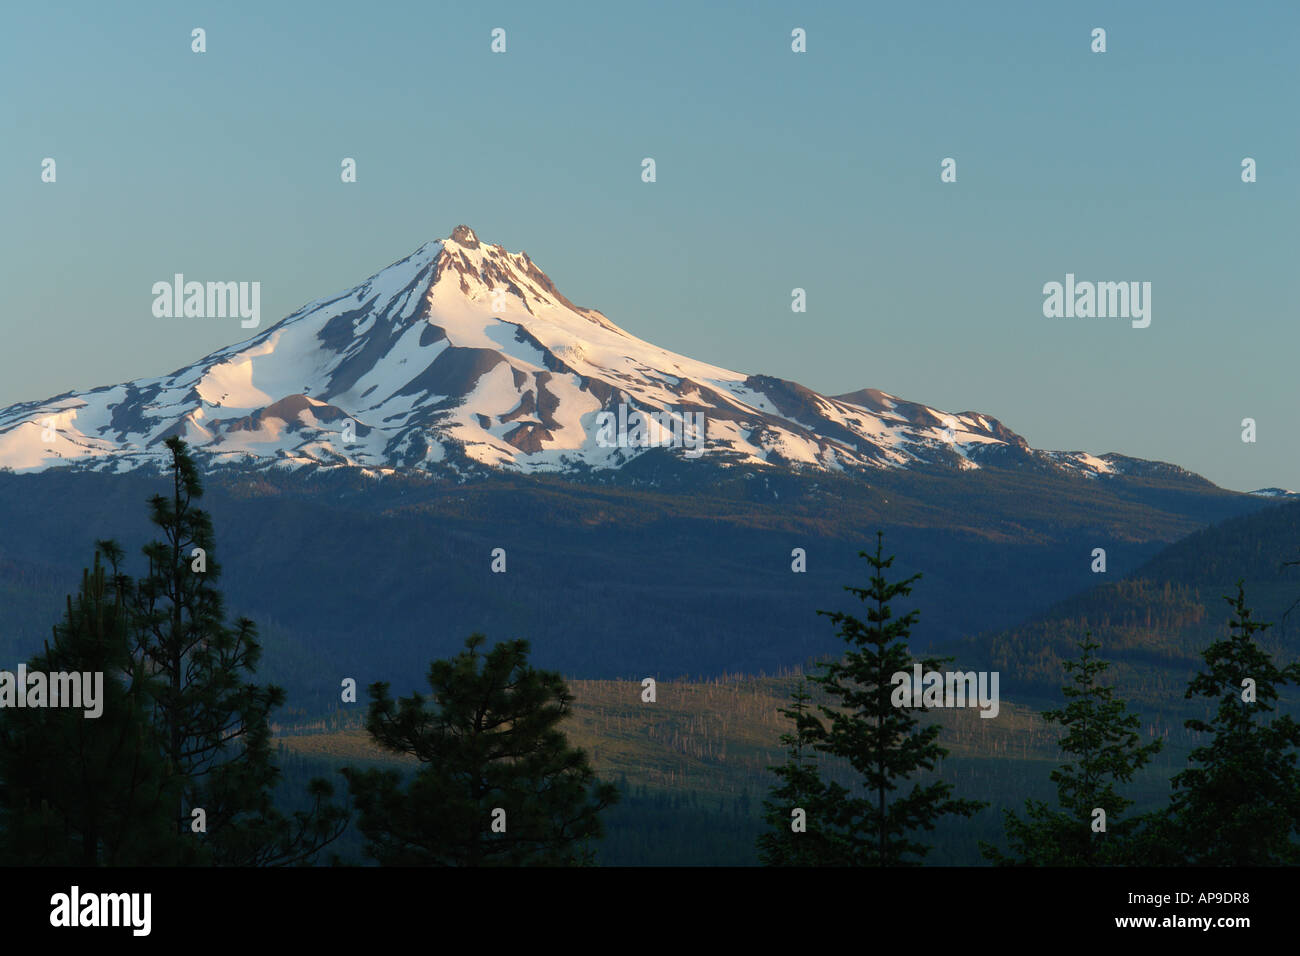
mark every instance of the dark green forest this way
{"type": "Point", "coordinates": [327, 563]}
{"type": "Point", "coordinates": [1129, 698]}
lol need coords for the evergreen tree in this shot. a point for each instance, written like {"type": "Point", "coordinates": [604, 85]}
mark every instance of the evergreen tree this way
{"type": "Point", "coordinates": [212, 720]}
{"type": "Point", "coordinates": [1103, 737]}
{"type": "Point", "coordinates": [800, 788]}
{"type": "Point", "coordinates": [884, 743]}
{"type": "Point", "coordinates": [1238, 802]}
{"type": "Point", "coordinates": [498, 782]}
{"type": "Point", "coordinates": [77, 789]}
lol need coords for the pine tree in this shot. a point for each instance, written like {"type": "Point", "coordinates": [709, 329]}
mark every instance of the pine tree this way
{"type": "Point", "coordinates": [1238, 802]}
{"type": "Point", "coordinates": [212, 720]}
{"type": "Point", "coordinates": [498, 782]}
{"type": "Point", "coordinates": [884, 743]}
{"type": "Point", "coordinates": [800, 788]}
{"type": "Point", "coordinates": [1103, 735]}
{"type": "Point", "coordinates": [79, 787]}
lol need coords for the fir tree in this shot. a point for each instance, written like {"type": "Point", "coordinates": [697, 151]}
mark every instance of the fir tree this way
{"type": "Point", "coordinates": [884, 743]}
{"type": "Point", "coordinates": [1238, 802]}
{"type": "Point", "coordinates": [86, 786]}
{"type": "Point", "coordinates": [498, 783]}
{"type": "Point", "coordinates": [1102, 736]}
{"type": "Point", "coordinates": [800, 788]}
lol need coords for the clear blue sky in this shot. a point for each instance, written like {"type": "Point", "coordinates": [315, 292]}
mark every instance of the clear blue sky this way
{"type": "Point", "coordinates": [775, 170]}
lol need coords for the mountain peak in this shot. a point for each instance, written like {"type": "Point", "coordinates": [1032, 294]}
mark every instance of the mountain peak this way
{"type": "Point", "coordinates": [464, 235]}
{"type": "Point", "coordinates": [485, 271]}
{"type": "Point", "coordinates": [466, 353]}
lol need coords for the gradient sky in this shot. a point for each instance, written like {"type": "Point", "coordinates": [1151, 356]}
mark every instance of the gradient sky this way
{"type": "Point", "coordinates": [775, 170]}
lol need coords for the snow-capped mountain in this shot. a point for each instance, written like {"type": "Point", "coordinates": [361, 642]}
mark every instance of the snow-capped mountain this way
{"type": "Point", "coordinates": [464, 353]}
{"type": "Point", "coordinates": [1275, 493]}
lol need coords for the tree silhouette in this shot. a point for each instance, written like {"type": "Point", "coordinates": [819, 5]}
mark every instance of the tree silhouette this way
{"type": "Point", "coordinates": [884, 743]}
{"type": "Point", "coordinates": [800, 788]}
{"type": "Point", "coordinates": [1238, 802]}
{"type": "Point", "coordinates": [78, 789]}
{"type": "Point", "coordinates": [1102, 736]}
{"type": "Point", "coordinates": [498, 783]}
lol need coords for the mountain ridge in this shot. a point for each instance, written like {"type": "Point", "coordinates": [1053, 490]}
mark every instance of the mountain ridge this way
{"type": "Point", "coordinates": [462, 355]}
